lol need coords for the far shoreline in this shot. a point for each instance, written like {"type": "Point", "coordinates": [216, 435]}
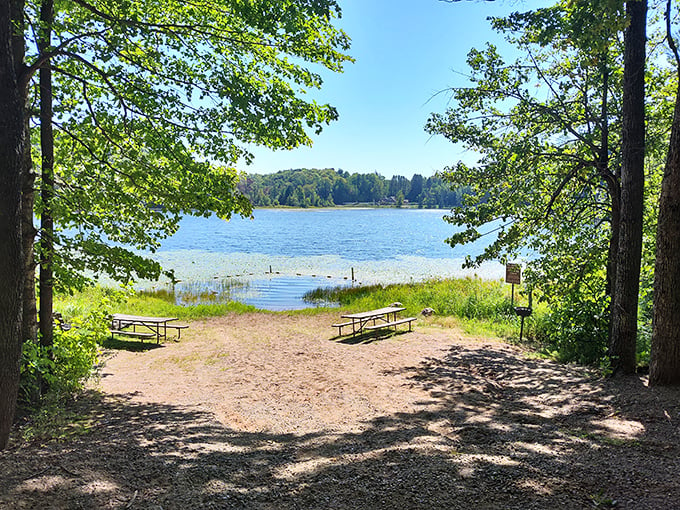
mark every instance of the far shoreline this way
{"type": "Point", "coordinates": [355, 205]}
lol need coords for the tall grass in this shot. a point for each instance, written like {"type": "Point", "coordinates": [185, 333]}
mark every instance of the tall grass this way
{"type": "Point", "coordinates": [158, 304]}
{"type": "Point", "coordinates": [469, 298]}
{"type": "Point", "coordinates": [481, 306]}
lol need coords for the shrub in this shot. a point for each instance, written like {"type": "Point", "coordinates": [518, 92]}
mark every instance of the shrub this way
{"type": "Point", "coordinates": [68, 363]}
{"type": "Point", "coordinates": [575, 329]}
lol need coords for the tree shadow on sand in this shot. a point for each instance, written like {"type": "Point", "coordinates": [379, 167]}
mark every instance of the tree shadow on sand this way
{"type": "Point", "coordinates": [497, 431]}
{"type": "Point", "coordinates": [119, 344]}
{"type": "Point", "coordinates": [369, 336]}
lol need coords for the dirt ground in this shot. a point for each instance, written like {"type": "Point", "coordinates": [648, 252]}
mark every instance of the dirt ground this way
{"type": "Point", "coordinates": [272, 411]}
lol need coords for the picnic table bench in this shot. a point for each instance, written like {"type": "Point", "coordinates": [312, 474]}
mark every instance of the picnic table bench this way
{"type": "Point", "coordinates": [381, 318]}
{"type": "Point", "coordinates": [59, 321]}
{"type": "Point", "coordinates": [151, 326]}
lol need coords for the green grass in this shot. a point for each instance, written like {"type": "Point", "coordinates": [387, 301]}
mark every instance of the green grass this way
{"type": "Point", "coordinates": [469, 298]}
{"type": "Point", "coordinates": [159, 304]}
{"type": "Point", "coordinates": [481, 307]}
{"type": "Point", "coordinates": [162, 305]}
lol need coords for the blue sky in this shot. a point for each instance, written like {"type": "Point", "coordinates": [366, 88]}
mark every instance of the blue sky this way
{"type": "Point", "coordinates": [407, 52]}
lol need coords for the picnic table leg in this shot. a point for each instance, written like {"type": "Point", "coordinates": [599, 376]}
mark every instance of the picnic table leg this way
{"type": "Point", "coordinates": [134, 330]}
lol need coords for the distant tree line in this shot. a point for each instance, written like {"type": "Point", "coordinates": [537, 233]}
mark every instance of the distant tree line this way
{"type": "Point", "coordinates": [328, 187]}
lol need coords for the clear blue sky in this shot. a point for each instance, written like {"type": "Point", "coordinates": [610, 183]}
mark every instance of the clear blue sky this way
{"type": "Point", "coordinates": [407, 52]}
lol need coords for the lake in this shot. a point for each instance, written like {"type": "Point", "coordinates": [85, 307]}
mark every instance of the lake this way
{"type": "Point", "coordinates": [270, 261]}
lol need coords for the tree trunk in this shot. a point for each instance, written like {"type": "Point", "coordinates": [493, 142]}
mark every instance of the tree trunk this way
{"type": "Point", "coordinates": [627, 284]}
{"type": "Point", "coordinates": [11, 253]}
{"type": "Point", "coordinates": [29, 322]}
{"type": "Point", "coordinates": [46, 289]}
{"type": "Point", "coordinates": [664, 365]}
{"type": "Point", "coordinates": [612, 253]}
{"type": "Point", "coordinates": [30, 313]}
{"type": "Point", "coordinates": [613, 186]}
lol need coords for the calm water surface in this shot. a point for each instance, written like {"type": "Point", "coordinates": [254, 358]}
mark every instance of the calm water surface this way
{"type": "Point", "coordinates": [354, 234]}
{"type": "Point", "coordinates": [280, 254]}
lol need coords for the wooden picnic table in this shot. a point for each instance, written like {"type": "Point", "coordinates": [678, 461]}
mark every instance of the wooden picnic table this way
{"type": "Point", "coordinates": [151, 326]}
{"type": "Point", "coordinates": [380, 318]}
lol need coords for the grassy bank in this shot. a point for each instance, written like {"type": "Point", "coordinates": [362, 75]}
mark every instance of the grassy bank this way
{"type": "Point", "coordinates": [480, 307]}
{"type": "Point", "coordinates": [158, 304]}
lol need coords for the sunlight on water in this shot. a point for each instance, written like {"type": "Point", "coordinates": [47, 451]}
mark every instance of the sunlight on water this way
{"type": "Point", "coordinates": [195, 265]}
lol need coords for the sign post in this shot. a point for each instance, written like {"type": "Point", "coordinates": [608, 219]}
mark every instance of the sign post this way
{"type": "Point", "coordinates": [513, 275]}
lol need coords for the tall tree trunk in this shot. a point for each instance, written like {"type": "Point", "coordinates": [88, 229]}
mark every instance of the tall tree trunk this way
{"type": "Point", "coordinates": [47, 186]}
{"type": "Point", "coordinates": [30, 313]}
{"type": "Point", "coordinates": [664, 366]}
{"type": "Point", "coordinates": [614, 239]}
{"type": "Point", "coordinates": [11, 253]}
{"type": "Point", "coordinates": [627, 285]}
{"type": "Point", "coordinates": [29, 322]}
{"type": "Point", "coordinates": [613, 185]}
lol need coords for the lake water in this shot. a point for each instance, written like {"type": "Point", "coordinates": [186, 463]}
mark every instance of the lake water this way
{"type": "Point", "coordinates": [272, 260]}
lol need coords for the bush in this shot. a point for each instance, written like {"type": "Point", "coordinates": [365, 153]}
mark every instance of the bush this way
{"type": "Point", "coordinates": [69, 362]}
{"type": "Point", "coordinates": [576, 329]}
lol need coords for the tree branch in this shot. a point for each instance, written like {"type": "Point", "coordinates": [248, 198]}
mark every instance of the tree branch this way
{"type": "Point", "coordinates": [669, 36]}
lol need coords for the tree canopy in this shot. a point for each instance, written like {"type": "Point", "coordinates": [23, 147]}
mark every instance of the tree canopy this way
{"type": "Point", "coordinates": [156, 102]}
{"type": "Point", "coordinates": [547, 129]}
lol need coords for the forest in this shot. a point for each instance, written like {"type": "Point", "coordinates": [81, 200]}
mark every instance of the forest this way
{"type": "Point", "coordinates": [329, 187]}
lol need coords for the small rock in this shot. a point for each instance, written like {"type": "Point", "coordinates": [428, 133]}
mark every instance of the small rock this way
{"type": "Point", "coordinates": [396, 303]}
{"type": "Point", "coordinates": [427, 312]}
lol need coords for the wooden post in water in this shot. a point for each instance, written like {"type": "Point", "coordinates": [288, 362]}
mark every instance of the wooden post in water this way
{"type": "Point", "coordinates": [352, 274]}
{"type": "Point", "coordinates": [270, 269]}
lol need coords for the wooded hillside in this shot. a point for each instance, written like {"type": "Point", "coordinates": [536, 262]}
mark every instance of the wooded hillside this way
{"type": "Point", "coordinates": [328, 187]}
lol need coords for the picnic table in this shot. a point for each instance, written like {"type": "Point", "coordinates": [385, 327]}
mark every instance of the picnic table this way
{"type": "Point", "coordinates": [379, 319]}
{"type": "Point", "coordinates": [150, 326]}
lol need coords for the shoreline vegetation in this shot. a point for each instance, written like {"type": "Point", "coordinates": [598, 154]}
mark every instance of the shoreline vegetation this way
{"type": "Point", "coordinates": [477, 305]}
{"type": "Point", "coordinates": [306, 188]}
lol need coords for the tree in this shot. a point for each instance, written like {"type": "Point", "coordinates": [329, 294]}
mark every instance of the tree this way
{"type": "Point", "coordinates": [625, 303]}
{"type": "Point", "coordinates": [148, 93]}
{"type": "Point", "coordinates": [154, 105]}
{"type": "Point", "coordinates": [399, 199]}
{"type": "Point", "coordinates": [547, 131]}
{"type": "Point", "coordinates": [45, 96]}
{"type": "Point", "coordinates": [398, 183]}
{"type": "Point", "coordinates": [664, 368]}
{"type": "Point", "coordinates": [12, 146]}
{"type": "Point", "coordinates": [416, 188]}
{"type": "Point", "coordinates": [146, 96]}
